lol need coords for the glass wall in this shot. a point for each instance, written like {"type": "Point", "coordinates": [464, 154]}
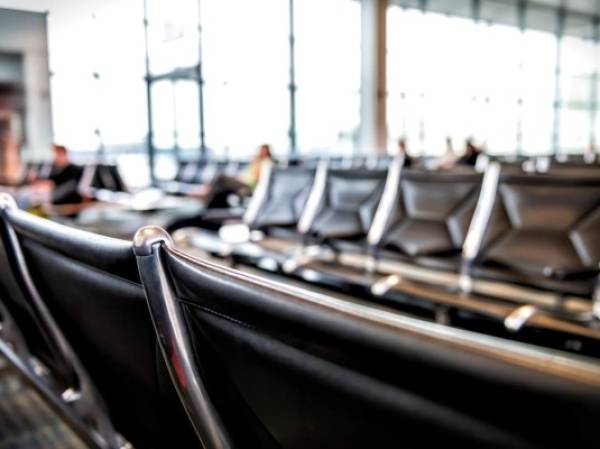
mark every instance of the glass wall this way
{"type": "Point", "coordinates": [539, 87]}
{"type": "Point", "coordinates": [447, 86]}
{"type": "Point", "coordinates": [516, 80]}
{"type": "Point", "coordinates": [97, 87]}
{"type": "Point", "coordinates": [246, 75]}
{"type": "Point", "coordinates": [575, 88]}
{"type": "Point", "coordinates": [327, 71]}
{"type": "Point", "coordinates": [490, 74]}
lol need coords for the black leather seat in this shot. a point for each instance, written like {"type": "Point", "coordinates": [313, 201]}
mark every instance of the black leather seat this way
{"type": "Point", "coordinates": [261, 365]}
{"type": "Point", "coordinates": [275, 208]}
{"type": "Point", "coordinates": [337, 219]}
{"type": "Point", "coordinates": [285, 199]}
{"type": "Point", "coordinates": [90, 286]}
{"type": "Point", "coordinates": [430, 218]}
{"type": "Point", "coordinates": [111, 178]}
{"type": "Point", "coordinates": [347, 205]}
{"type": "Point", "coordinates": [544, 232]}
{"type": "Point", "coordinates": [187, 176]}
{"type": "Point", "coordinates": [421, 219]}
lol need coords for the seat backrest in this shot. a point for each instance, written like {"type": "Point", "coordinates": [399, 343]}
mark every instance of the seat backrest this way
{"type": "Point", "coordinates": [107, 176]}
{"type": "Point", "coordinates": [348, 203]}
{"type": "Point", "coordinates": [187, 170]}
{"type": "Point", "coordinates": [232, 168]}
{"type": "Point", "coordinates": [339, 162]}
{"type": "Point", "coordinates": [359, 161]}
{"type": "Point", "coordinates": [263, 365]}
{"type": "Point", "coordinates": [544, 230]}
{"type": "Point", "coordinates": [575, 170]}
{"type": "Point", "coordinates": [90, 286]}
{"type": "Point", "coordinates": [208, 172]}
{"type": "Point", "coordinates": [282, 198]}
{"type": "Point", "coordinates": [117, 183]}
{"type": "Point", "coordinates": [431, 212]}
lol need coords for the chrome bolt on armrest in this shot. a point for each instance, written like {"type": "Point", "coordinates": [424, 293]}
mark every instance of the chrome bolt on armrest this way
{"type": "Point", "coordinates": [384, 285]}
{"type": "Point", "coordinates": [515, 320]}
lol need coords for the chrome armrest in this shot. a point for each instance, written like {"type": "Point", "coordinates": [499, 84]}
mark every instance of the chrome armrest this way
{"type": "Point", "coordinates": [479, 222]}
{"type": "Point", "coordinates": [384, 285]}
{"type": "Point", "coordinates": [465, 281]}
{"type": "Point", "coordinates": [515, 320]}
{"type": "Point", "coordinates": [306, 255]}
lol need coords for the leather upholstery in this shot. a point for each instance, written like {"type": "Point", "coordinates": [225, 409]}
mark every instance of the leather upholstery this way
{"type": "Point", "coordinates": [286, 198]}
{"type": "Point", "coordinates": [544, 231]}
{"type": "Point", "coordinates": [285, 372]}
{"type": "Point", "coordinates": [432, 213]}
{"type": "Point", "coordinates": [349, 203]}
{"type": "Point", "coordinates": [91, 287]}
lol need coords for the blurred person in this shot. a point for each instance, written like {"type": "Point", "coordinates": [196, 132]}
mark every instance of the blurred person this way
{"type": "Point", "coordinates": [590, 153]}
{"type": "Point", "coordinates": [402, 151]}
{"type": "Point", "coordinates": [470, 155]}
{"type": "Point", "coordinates": [449, 147]}
{"type": "Point", "coordinates": [449, 159]}
{"type": "Point", "coordinates": [63, 170]}
{"type": "Point", "coordinates": [61, 186]}
{"type": "Point", "coordinates": [252, 174]}
{"type": "Point", "coordinates": [216, 192]}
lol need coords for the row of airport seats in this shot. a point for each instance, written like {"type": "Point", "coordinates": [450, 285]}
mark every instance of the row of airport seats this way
{"type": "Point", "coordinates": [205, 171]}
{"type": "Point", "coordinates": [124, 339]}
{"type": "Point", "coordinates": [504, 252]}
{"type": "Point", "coordinates": [560, 163]}
{"type": "Point", "coordinates": [192, 173]}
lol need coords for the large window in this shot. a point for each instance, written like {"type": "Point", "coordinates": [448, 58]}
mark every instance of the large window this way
{"type": "Point", "coordinates": [221, 69]}
{"type": "Point", "coordinates": [577, 71]}
{"type": "Point", "coordinates": [245, 57]}
{"type": "Point", "coordinates": [450, 77]}
{"type": "Point", "coordinates": [172, 34]}
{"type": "Point", "coordinates": [488, 79]}
{"type": "Point", "coordinates": [539, 86]}
{"type": "Point", "coordinates": [405, 111]}
{"type": "Point", "coordinates": [327, 74]}
{"type": "Point", "coordinates": [501, 79]}
{"type": "Point", "coordinates": [97, 84]}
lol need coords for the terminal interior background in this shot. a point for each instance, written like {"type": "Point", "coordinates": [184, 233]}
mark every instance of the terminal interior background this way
{"type": "Point", "coordinates": [520, 80]}
{"type": "Point", "coordinates": [418, 246]}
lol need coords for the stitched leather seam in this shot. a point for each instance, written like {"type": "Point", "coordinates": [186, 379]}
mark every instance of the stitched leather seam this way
{"type": "Point", "coordinates": [216, 313]}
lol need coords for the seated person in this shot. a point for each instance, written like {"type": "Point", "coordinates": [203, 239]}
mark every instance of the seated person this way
{"type": "Point", "coordinates": [449, 159]}
{"type": "Point", "coordinates": [63, 181]}
{"type": "Point", "coordinates": [252, 174]}
{"type": "Point", "coordinates": [216, 193]}
{"type": "Point", "coordinates": [408, 161]}
{"type": "Point", "coordinates": [470, 155]}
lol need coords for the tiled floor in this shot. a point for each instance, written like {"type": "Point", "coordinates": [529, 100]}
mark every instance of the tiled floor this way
{"type": "Point", "coordinates": [26, 422]}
